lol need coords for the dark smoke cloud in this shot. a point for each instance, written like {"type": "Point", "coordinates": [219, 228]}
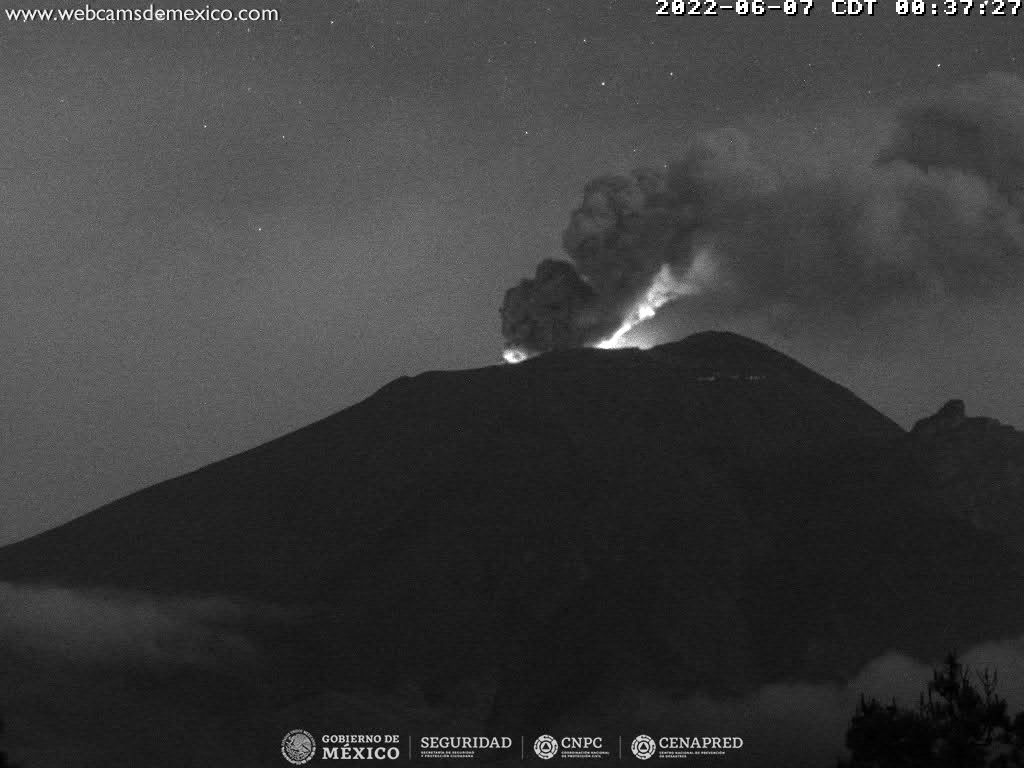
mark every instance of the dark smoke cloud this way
{"type": "Point", "coordinates": [546, 312]}
{"type": "Point", "coordinates": [936, 215]}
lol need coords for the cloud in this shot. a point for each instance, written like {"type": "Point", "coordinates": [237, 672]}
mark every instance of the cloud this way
{"type": "Point", "coordinates": [935, 216]}
{"type": "Point", "coordinates": [102, 677]}
{"type": "Point", "coordinates": [974, 128]}
{"type": "Point", "coordinates": [117, 628]}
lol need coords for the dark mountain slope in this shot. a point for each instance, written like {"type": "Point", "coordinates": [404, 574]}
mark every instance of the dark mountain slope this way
{"type": "Point", "coordinates": [707, 514]}
{"type": "Point", "coordinates": [516, 437]}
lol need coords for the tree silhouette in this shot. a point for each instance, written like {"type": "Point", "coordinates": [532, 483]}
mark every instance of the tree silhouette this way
{"type": "Point", "coordinates": [956, 725]}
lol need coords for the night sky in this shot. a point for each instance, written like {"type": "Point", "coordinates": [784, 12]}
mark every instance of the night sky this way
{"type": "Point", "coordinates": [215, 233]}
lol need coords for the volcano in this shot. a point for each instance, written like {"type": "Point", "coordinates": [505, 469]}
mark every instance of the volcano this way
{"type": "Point", "coordinates": [510, 547]}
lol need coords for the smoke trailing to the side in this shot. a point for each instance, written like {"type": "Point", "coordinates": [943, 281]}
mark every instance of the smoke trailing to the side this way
{"type": "Point", "coordinates": [938, 213]}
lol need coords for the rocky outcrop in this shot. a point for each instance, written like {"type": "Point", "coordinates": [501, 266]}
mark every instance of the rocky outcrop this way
{"type": "Point", "coordinates": [976, 467]}
{"type": "Point", "coordinates": [949, 417]}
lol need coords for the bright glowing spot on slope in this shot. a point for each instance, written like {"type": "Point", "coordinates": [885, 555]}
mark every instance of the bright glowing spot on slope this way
{"type": "Point", "coordinates": [514, 355]}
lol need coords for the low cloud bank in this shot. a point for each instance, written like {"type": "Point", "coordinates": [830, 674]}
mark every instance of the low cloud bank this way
{"type": "Point", "coordinates": [120, 628]}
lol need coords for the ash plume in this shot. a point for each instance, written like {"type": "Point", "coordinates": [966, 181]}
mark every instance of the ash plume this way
{"type": "Point", "coordinates": [937, 214]}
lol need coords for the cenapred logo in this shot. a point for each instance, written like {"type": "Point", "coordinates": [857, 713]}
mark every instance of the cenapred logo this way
{"type": "Point", "coordinates": [643, 747]}
{"type": "Point", "coordinates": [298, 746]}
{"type": "Point", "coordinates": [546, 747]}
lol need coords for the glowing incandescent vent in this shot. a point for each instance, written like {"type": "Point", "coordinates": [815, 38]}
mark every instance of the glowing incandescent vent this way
{"type": "Point", "coordinates": [514, 355]}
{"type": "Point", "coordinates": [664, 288]}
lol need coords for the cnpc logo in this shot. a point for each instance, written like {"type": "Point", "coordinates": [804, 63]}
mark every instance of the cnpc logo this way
{"type": "Point", "coordinates": [581, 742]}
{"type": "Point", "coordinates": [547, 746]}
